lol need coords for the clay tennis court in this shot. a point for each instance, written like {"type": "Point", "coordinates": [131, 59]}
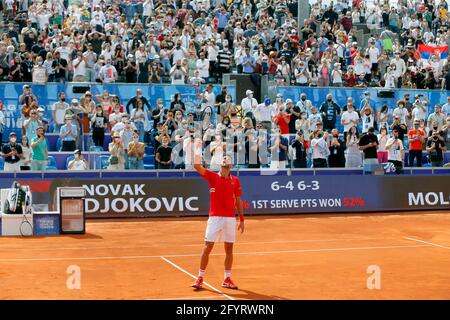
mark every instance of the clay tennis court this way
{"type": "Point", "coordinates": [282, 257]}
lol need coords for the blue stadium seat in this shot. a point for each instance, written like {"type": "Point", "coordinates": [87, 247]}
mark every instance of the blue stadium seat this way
{"type": "Point", "coordinates": [149, 166]}
{"type": "Point", "coordinates": [2, 163]}
{"type": "Point", "coordinates": [149, 150]}
{"type": "Point", "coordinates": [47, 168]}
{"type": "Point", "coordinates": [96, 149]}
{"type": "Point", "coordinates": [51, 161]}
{"type": "Point", "coordinates": [58, 144]}
{"type": "Point", "coordinates": [149, 159]}
{"type": "Point", "coordinates": [69, 158]}
{"type": "Point", "coordinates": [102, 162]}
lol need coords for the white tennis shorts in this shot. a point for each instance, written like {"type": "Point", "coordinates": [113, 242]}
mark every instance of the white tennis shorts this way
{"type": "Point", "coordinates": [221, 229]}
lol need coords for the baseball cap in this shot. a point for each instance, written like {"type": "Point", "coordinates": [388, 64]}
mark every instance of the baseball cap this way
{"type": "Point", "coordinates": [12, 134]}
{"type": "Point", "coordinates": [267, 101]}
{"type": "Point", "coordinates": [248, 92]}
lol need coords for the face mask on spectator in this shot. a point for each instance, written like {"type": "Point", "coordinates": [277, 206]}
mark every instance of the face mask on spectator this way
{"type": "Point", "coordinates": [228, 99]}
{"type": "Point", "coordinates": [12, 140]}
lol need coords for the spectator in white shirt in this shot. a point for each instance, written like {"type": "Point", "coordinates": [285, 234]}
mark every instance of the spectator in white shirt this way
{"type": "Point", "coordinates": [349, 118]}
{"type": "Point", "coordinates": [79, 68]}
{"type": "Point", "coordinates": [178, 74]}
{"type": "Point", "coordinates": [203, 67]}
{"type": "Point", "coordinates": [79, 163]}
{"type": "Point", "coordinates": [395, 149]}
{"type": "Point", "coordinates": [108, 73]}
{"type": "Point", "coordinates": [249, 104]}
{"type": "Point", "coordinates": [400, 68]}
{"type": "Point", "coordinates": [401, 111]}
{"type": "Point", "coordinates": [314, 118]}
{"type": "Point", "coordinates": [304, 104]}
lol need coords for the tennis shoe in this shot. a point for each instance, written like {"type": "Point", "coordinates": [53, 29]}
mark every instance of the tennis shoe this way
{"type": "Point", "coordinates": [228, 283]}
{"type": "Point", "coordinates": [198, 284]}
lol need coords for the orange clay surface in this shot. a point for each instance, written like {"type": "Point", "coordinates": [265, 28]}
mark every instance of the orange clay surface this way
{"type": "Point", "coordinates": [282, 257]}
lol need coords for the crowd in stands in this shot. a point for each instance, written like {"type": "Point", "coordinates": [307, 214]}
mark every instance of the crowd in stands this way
{"type": "Point", "coordinates": [197, 41]}
{"type": "Point", "coordinates": [256, 134]}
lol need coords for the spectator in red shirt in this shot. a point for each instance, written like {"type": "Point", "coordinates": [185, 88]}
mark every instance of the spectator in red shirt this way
{"type": "Point", "coordinates": [282, 119]}
{"type": "Point", "coordinates": [416, 138]}
{"type": "Point", "coordinates": [225, 195]}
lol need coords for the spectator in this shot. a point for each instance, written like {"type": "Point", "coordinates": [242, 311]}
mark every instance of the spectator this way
{"type": "Point", "coordinates": [139, 117]}
{"type": "Point", "coordinates": [349, 118]}
{"type": "Point", "coordinates": [79, 163]}
{"type": "Point", "coordinates": [320, 150]}
{"type": "Point", "coordinates": [336, 159]}
{"type": "Point", "coordinates": [79, 67]}
{"type": "Point", "coordinates": [400, 127]}
{"type": "Point", "coordinates": [416, 138]}
{"type": "Point", "coordinates": [68, 135]}
{"type": "Point", "coordinates": [203, 67]}
{"type": "Point", "coordinates": [353, 157]}
{"type": "Point", "coordinates": [330, 110]}
{"type": "Point", "coordinates": [279, 150]}
{"type": "Point", "coordinates": [314, 119]}
{"type": "Point", "coordinates": [294, 112]}
{"type": "Point", "coordinates": [436, 147]}
{"type": "Point", "coordinates": [60, 67]}
{"type": "Point", "coordinates": [163, 156]}
{"type": "Point", "coordinates": [32, 124]}
{"type": "Point", "coordinates": [25, 162]}
{"type": "Point", "coordinates": [159, 114]}
{"type": "Point", "coordinates": [249, 104]}
{"type": "Point", "coordinates": [133, 101]}
{"type": "Point", "coordinates": [369, 144]}
{"type": "Point", "coordinates": [117, 153]}
{"type": "Point", "coordinates": [282, 120]}
{"type": "Point", "coordinates": [108, 73]}
{"type": "Point", "coordinates": [87, 106]}
{"type": "Point", "coordinates": [59, 111]}
{"type": "Point", "coordinates": [300, 147]}
{"type": "Point", "coordinates": [126, 130]}
{"type": "Point", "coordinates": [178, 73]}
{"type": "Point", "coordinates": [401, 112]}
{"type": "Point", "coordinates": [304, 104]}
{"type": "Point", "coordinates": [39, 72]}
{"type": "Point", "coordinates": [367, 119]}
{"type": "Point", "coordinates": [383, 117]}
{"type": "Point", "coordinates": [39, 158]}
{"type": "Point", "coordinates": [136, 152]}
{"type": "Point", "coordinates": [382, 140]}
{"type": "Point", "coordinates": [436, 118]}
{"type": "Point", "coordinates": [396, 151]}
{"type": "Point", "coordinates": [12, 153]}
{"type": "Point", "coordinates": [99, 123]}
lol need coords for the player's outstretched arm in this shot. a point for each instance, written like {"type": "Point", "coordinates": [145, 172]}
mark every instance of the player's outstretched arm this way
{"type": "Point", "coordinates": [198, 160]}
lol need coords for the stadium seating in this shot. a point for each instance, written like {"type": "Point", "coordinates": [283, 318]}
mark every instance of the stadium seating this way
{"type": "Point", "coordinates": [102, 162]}
{"type": "Point", "coordinates": [96, 149]}
{"type": "Point", "coordinates": [69, 158]}
{"type": "Point", "coordinates": [58, 144]}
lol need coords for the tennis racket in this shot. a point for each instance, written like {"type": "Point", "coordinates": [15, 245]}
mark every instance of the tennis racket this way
{"type": "Point", "coordinates": [26, 229]}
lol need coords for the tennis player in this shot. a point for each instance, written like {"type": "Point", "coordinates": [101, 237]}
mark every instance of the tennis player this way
{"type": "Point", "coordinates": [225, 195]}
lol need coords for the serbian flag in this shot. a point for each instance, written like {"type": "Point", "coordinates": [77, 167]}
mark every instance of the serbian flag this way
{"type": "Point", "coordinates": [427, 51]}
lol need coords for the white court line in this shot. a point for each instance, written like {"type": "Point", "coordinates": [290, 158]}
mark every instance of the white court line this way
{"type": "Point", "coordinates": [197, 255]}
{"type": "Point", "coordinates": [184, 245]}
{"type": "Point", "coordinates": [188, 298]}
{"type": "Point", "coordinates": [297, 241]}
{"type": "Point", "coordinates": [429, 243]}
{"type": "Point", "coordinates": [192, 276]}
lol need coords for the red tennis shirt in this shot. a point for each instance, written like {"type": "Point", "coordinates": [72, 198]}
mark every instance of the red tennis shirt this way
{"type": "Point", "coordinates": [223, 192]}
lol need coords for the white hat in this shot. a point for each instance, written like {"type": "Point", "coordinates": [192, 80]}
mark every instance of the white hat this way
{"type": "Point", "coordinates": [248, 92]}
{"type": "Point", "coordinates": [288, 100]}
